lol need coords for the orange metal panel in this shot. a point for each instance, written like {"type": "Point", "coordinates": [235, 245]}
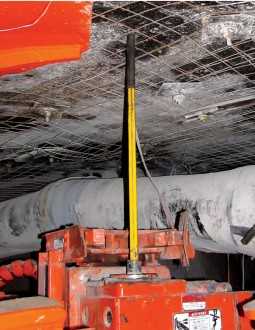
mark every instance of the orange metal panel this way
{"type": "Point", "coordinates": [153, 306]}
{"type": "Point", "coordinates": [80, 270]}
{"type": "Point", "coordinates": [34, 33]}
{"type": "Point", "coordinates": [97, 244]}
{"type": "Point", "coordinates": [31, 313]}
{"type": "Point", "coordinates": [56, 276]}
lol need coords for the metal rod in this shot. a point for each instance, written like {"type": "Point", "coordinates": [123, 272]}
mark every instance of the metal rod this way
{"type": "Point", "coordinates": [132, 176]}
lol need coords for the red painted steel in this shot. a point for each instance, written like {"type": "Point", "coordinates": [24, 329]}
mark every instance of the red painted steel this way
{"type": "Point", "coordinates": [34, 33]}
{"type": "Point", "coordinates": [84, 270]}
{"type": "Point", "coordinates": [99, 245]}
{"type": "Point", "coordinates": [155, 305]}
{"type": "Point", "coordinates": [89, 279]}
{"type": "Point", "coordinates": [75, 254]}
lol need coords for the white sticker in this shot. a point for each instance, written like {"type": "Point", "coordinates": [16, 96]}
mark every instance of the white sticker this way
{"type": "Point", "coordinates": [58, 243]}
{"type": "Point", "coordinates": [206, 320]}
{"type": "Point", "coordinates": [193, 305]}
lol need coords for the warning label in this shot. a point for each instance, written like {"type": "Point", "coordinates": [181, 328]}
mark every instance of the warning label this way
{"type": "Point", "coordinates": [204, 320]}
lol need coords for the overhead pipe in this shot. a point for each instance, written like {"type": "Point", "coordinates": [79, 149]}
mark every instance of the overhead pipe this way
{"type": "Point", "coordinates": [221, 208]}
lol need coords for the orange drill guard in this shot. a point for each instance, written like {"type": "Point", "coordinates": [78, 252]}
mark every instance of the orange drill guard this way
{"type": "Point", "coordinates": [85, 270]}
{"type": "Point", "coordinates": [83, 275]}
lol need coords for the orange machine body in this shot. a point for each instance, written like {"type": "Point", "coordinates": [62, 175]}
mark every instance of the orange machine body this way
{"type": "Point", "coordinates": [34, 33]}
{"type": "Point", "coordinates": [162, 305]}
{"type": "Point", "coordinates": [83, 283]}
{"type": "Point", "coordinates": [85, 270]}
{"type": "Point", "coordinates": [35, 313]}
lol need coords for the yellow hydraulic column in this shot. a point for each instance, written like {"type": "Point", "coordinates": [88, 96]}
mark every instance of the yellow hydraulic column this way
{"type": "Point", "coordinates": [133, 266]}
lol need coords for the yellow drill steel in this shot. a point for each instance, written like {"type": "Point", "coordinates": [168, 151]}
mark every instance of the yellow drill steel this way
{"type": "Point", "coordinates": [133, 226]}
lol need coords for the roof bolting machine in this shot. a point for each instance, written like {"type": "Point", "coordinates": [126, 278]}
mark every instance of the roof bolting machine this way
{"type": "Point", "coordinates": [113, 280]}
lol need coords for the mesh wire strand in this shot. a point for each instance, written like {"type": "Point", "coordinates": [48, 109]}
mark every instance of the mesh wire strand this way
{"type": "Point", "coordinates": [195, 107]}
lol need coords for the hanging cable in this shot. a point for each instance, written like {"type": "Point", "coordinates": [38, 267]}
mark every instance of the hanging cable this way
{"type": "Point", "coordinates": [161, 197]}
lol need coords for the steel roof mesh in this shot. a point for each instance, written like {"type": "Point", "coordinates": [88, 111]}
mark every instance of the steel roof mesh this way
{"type": "Point", "coordinates": [195, 96]}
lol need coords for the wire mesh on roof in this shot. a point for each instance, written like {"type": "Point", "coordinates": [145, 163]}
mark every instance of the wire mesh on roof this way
{"type": "Point", "coordinates": [195, 96]}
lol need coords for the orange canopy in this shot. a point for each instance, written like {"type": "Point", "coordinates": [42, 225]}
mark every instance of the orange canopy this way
{"type": "Point", "coordinates": [34, 33]}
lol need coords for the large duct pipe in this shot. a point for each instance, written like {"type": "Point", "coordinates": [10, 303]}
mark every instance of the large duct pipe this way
{"type": "Point", "coordinates": [221, 207]}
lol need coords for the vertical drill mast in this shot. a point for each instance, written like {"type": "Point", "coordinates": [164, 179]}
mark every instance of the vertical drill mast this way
{"type": "Point", "coordinates": [132, 176]}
